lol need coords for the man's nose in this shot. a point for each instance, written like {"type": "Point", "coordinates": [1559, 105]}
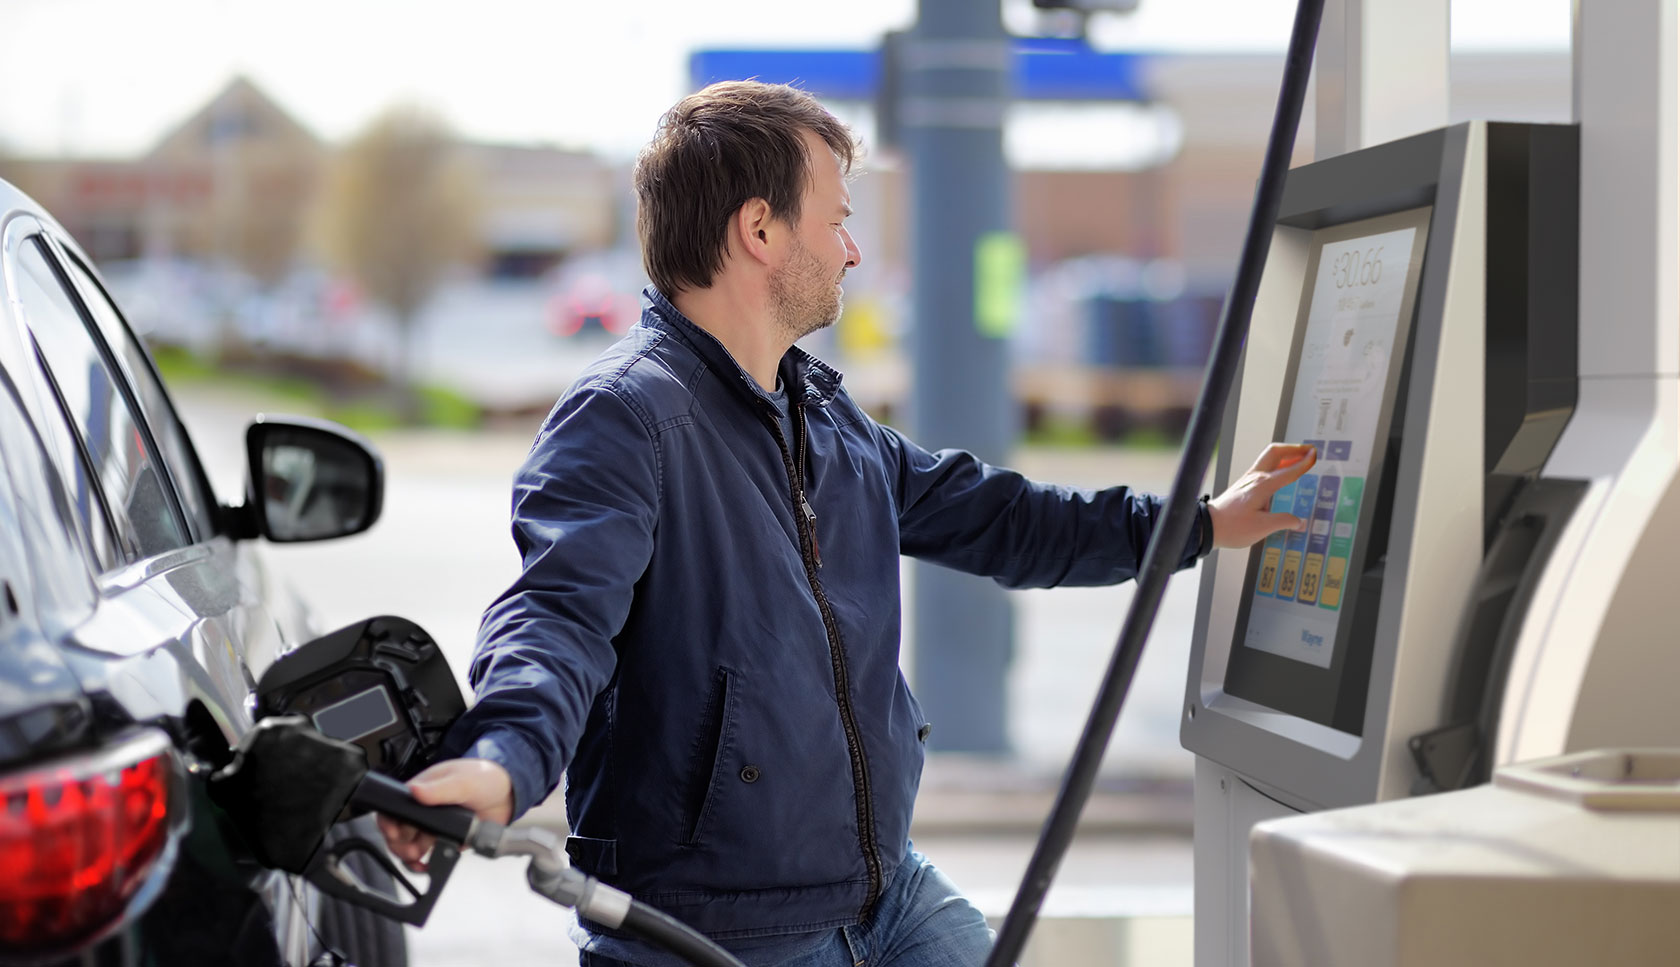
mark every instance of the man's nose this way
{"type": "Point", "coordinates": [853, 254]}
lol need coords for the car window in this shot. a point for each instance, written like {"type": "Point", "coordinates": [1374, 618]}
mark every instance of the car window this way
{"type": "Point", "coordinates": [178, 454]}
{"type": "Point", "coordinates": [87, 506]}
{"type": "Point", "coordinates": [46, 518]}
{"type": "Point", "coordinates": [110, 437]}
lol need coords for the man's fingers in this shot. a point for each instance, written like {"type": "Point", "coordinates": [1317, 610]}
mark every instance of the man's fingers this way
{"type": "Point", "coordinates": [405, 842]}
{"type": "Point", "coordinates": [478, 784]}
{"type": "Point", "coordinates": [442, 789]}
{"type": "Point", "coordinates": [1280, 455]}
{"type": "Point", "coordinates": [415, 854]}
{"type": "Point", "coordinates": [1293, 471]}
{"type": "Point", "coordinates": [1284, 522]}
{"type": "Point", "coordinates": [397, 835]}
{"type": "Point", "coordinates": [1286, 471]}
{"type": "Point", "coordinates": [482, 786]}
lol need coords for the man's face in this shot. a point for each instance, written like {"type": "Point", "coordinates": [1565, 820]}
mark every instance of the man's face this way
{"type": "Point", "coordinates": [805, 289]}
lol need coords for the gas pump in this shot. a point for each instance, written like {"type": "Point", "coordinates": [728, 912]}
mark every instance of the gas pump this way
{"type": "Point", "coordinates": [1392, 331]}
{"type": "Point", "coordinates": [1478, 325]}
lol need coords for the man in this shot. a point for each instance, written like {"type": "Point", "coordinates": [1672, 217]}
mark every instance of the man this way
{"type": "Point", "coordinates": [705, 633]}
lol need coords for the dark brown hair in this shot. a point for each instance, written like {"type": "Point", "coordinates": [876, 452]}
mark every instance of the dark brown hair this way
{"type": "Point", "coordinates": [712, 153]}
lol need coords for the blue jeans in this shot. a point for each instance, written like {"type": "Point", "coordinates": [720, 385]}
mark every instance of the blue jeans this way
{"type": "Point", "coordinates": [920, 921]}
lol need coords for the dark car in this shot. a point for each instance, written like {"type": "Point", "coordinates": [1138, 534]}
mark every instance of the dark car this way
{"type": "Point", "coordinates": [135, 619]}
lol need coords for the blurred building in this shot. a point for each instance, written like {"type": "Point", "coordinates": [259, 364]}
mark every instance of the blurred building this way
{"type": "Point", "coordinates": [238, 178]}
{"type": "Point", "coordinates": [234, 179]}
{"type": "Point", "coordinates": [541, 205]}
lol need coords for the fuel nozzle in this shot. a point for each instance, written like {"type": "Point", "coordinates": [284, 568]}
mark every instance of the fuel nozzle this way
{"type": "Point", "coordinates": [288, 785]}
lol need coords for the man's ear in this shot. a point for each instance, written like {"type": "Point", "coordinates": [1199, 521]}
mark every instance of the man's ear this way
{"type": "Point", "coordinates": [757, 230]}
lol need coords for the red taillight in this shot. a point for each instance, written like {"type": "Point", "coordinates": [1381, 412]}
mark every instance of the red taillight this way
{"type": "Point", "coordinates": [78, 838]}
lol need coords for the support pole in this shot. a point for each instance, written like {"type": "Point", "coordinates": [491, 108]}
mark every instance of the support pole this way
{"type": "Point", "coordinates": [1382, 73]}
{"type": "Point", "coordinates": [956, 71]}
{"type": "Point", "coordinates": [1627, 100]}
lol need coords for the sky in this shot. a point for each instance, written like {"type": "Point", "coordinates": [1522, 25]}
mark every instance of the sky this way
{"type": "Point", "coordinates": [109, 77]}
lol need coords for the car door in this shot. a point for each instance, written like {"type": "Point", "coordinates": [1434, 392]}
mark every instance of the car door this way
{"type": "Point", "coordinates": [179, 616]}
{"type": "Point", "coordinates": [256, 632]}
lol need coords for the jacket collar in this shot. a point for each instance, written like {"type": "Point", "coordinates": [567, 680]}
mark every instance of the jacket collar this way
{"type": "Point", "coordinates": [820, 381]}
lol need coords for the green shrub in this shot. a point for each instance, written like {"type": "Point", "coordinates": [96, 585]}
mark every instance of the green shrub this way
{"type": "Point", "coordinates": [443, 407]}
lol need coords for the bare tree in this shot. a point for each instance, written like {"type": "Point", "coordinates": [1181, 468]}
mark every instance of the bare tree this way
{"type": "Point", "coordinates": [397, 210]}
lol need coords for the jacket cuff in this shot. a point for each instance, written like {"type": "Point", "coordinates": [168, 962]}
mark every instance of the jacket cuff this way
{"type": "Point", "coordinates": [1204, 528]}
{"type": "Point", "coordinates": [1200, 544]}
{"type": "Point", "coordinates": [512, 752]}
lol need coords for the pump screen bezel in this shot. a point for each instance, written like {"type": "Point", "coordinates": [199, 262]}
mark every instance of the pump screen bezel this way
{"type": "Point", "coordinates": [1333, 695]}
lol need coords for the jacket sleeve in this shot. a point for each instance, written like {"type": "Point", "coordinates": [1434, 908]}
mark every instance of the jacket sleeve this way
{"type": "Point", "coordinates": [955, 510]}
{"type": "Point", "coordinates": [584, 506]}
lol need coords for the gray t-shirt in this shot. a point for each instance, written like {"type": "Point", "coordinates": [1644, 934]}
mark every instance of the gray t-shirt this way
{"type": "Point", "coordinates": [779, 397]}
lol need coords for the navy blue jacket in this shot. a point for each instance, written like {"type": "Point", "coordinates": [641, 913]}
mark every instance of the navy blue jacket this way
{"type": "Point", "coordinates": [715, 664]}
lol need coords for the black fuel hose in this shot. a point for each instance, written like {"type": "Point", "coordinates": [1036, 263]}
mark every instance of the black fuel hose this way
{"type": "Point", "coordinates": [549, 876]}
{"type": "Point", "coordinates": [677, 937]}
{"type": "Point", "coordinates": [1173, 532]}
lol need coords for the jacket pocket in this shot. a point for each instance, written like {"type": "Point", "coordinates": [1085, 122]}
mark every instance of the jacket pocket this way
{"type": "Point", "coordinates": [597, 857]}
{"type": "Point", "coordinates": [710, 755]}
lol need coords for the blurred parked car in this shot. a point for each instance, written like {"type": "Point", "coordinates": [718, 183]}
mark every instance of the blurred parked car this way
{"type": "Point", "coordinates": [596, 293]}
{"type": "Point", "coordinates": [135, 617]}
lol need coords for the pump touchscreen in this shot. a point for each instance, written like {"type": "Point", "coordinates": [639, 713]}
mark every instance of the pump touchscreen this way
{"type": "Point", "coordinates": [1357, 298]}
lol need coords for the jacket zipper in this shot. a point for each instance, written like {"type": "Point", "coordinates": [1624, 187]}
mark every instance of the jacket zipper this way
{"type": "Point", "coordinates": [799, 488]}
{"type": "Point", "coordinates": [836, 652]}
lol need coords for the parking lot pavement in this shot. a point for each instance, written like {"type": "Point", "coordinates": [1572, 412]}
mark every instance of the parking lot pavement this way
{"type": "Point", "coordinates": [442, 551]}
{"type": "Point", "coordinates": [488, 917]}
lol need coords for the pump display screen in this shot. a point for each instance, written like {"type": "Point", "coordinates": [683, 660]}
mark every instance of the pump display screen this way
{"type": "Point", "coordinates": [1339, 383]}
{"type": "Point", "coordinates": [1353, 325]}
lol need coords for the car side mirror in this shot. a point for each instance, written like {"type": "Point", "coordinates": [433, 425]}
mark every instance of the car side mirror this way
{"type": "Point", "coordinates": [309, 480]}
